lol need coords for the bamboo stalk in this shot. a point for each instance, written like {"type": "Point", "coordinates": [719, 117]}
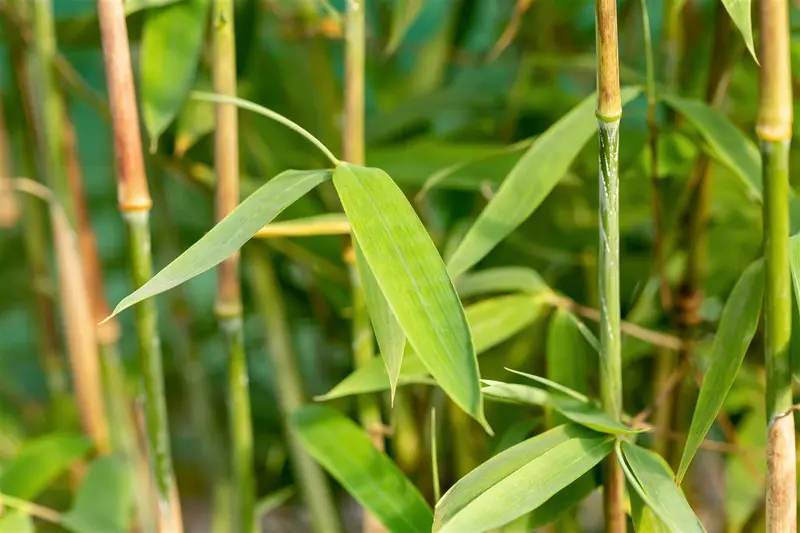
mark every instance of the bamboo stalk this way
{"type": "Point", "coordinates": [353, 151]}
{"type": "Point", "coordinates": [133, 197]}
{"type": "Point", "coordinates": [314, 487]}
{"type": "Point", "coordinates": [609, 112]}
{"type": "Point", "coordinates": [229, 300]}
{"type": "Point", "coordinates": [774, 129]}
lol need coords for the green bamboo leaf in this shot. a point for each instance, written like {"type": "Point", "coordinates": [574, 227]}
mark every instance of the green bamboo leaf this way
{"type": "Point", "coordinates": [133, 6]}
{"type": "Point", "coordinates": [231, 233]}
{"type": "Point", "coordinates": [565, 500]}
{"type": "Point", "coordinates": [172, 38]}
{"type": "Point", "coordinates": [736, 329]}
{"type": "Point", "coordinates": [491, 322]}
{"type": "Point", "coordinates": [104, 501]}
{"type": "Point", "coordinates": [40, 462]}
{"type": "Point", "coordinates": [391, 340]}
{"type": "Point", "coordinates": [14, 521]}
{"type": "Point", "coordinates": [520, 479]}
{"type": "Point", "coordinates": [414, 281]}
{"type": "Point", "coordinates": [644, 519]}
{"type": "Point", "coordinates": [499, 280]}
{"type": "Point", "coordinates": [568, 354]}
{"type": "Point", "coordinates": [740, 12]}
{"type": "Point", "coordinates": [404, 13]}
{"type": "Point", "coordinates": [529, 182]}
{"type": "Point", "coordinates": [515, 393]}
{"type": "Point", "coordinates": [654, 482]}
{"type": "Point", "coordinates": [729, 144]}
{"type": "Point", "coordinates": [345, 451]}
{"type": "Point", "coordinates": [196, 117]}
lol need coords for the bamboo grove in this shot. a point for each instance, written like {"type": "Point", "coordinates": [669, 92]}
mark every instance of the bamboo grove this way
{"type": "Point", "coordinates": [398, 266]}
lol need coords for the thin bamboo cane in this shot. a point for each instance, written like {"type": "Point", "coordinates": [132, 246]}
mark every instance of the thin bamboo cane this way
{"type": "Point", "coordinates": [229, 301]}
{"type": "Point", "coordinates": [774, 129]}
{"type": "Point", "coordinates": [133, 196]}
{"type": "Point", "coordinates": [609, 112]}
{"type": "Point", "coordinates": [314, 487]}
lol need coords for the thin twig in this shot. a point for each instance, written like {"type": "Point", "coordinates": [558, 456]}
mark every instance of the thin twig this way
{"type": "Point", "coordinates": [31, 509]}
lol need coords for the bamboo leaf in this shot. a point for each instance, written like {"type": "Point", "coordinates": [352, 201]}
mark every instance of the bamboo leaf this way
{"type": "Point", "coordinates": [644, 519]}
{"type": "Point", "coordinates": [404, 13]}
{"type": "Point", "coordinates": [500, 280]}
{"type": "Point", "coordinates": [565, 500]}
{"type": "Point", "coordinates": [327, 224]}
{"type": "Point", "coordinates": [414, 281]}
{"type": "Point", "coordinates": [654, 482]}
{"type": "Point", "coordinates": [730, 145]}
{"type": "Point", "coordinates": [104, 500]}
{"type": "Point", "coordinates": [195, 119]}
{"type": "Point", "coordinates": [529, 183]}
{"type": "Point", "coordinates": [345, 451]}
{"type": "Point", "coordinates": [520, 479]}
{"type": "Point", "coordinates": [40, 462]}
{"type": "Point", "coordinates": [231, 233]}
{"type": "Point", "coordinates": [133, 6]}
{"type": "Point", "coordinates": [515, 393]}
{"type": "Point", "coordinates": [14, 521]}
{"type": "Point", "coordinates": [736, 329]}
{"type": "Point", "coordinates": [172, 38]}
{"type": "Point", "coordinates": [391, 340]}
{"type": "Point", "coordinates": [740, 12]}
{"type": "Point", "coordinates": [491, 322]}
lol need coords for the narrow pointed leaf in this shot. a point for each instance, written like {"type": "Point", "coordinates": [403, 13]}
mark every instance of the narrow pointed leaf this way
{"type": "Point", "coordinates": [327, 224]}
{"type": "Point", "coordinates": [730, 145]}
{"type": "Point", "coordinates": [655, 483]}
{"type": "Point", "coordinates": [172, 38]}
{"type": "Point", "coordinates": [644, 518]}
{"type": "Point", "coordinates": [529, 183]}
{"type": "Point", "coordinates": [345, 451]}
{"type": "Point", "coordinates": [565, 500]}
{"type": "Point", "coordinates": [499, 280]}
{"type": "Point", "coordinates": [40, 462]}
{"type": "Point", "coordinates": [391, 340]}
{"type": "Point", "coordinates": [520, 479]}
{"type": "Point", "coordinates": [741, 14]}
{"type": "Point", "coordinates": [404, 13]}
{"type": "Point", "coordinates": [195, 119]}
{"type": "Point", "coordinates": [414, 281]}
{"type": "Point", "coordinates": [104, 500]}
{"type": "Point", "coordinates": [491, 322]}
{"type": "Point", "coordinates": [231, 233]}
{"type": "Point", "coordinates": [515, 393]}
{"type": "Point", "coordinates": [736, 329]}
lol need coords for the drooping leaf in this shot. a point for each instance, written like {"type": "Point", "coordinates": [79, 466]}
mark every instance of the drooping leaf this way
{"type": "Point", "coordinates": [391, 340]}
{"type": "Point", "coordinates": [345, 451]}
{"type": "Point", "coordinates": [404, 12]}
{"type": "Point", "coordinates": [529, 183]}
{"type": "Point", "coordinates": [491, 322]}
{"type": "Point", "coordinates": [13, 521]}
{"type": "Point", "coordinates": [565, 500]}
{"type": "Point", "coordinates": [40, 462]}
{"type": "Point", "coordinates": [172, 38]}
{"type": "Point", "coordinates": [520, 479]}
{"type": "Point", "coordinates": [414, 281]}
{"type": "Point", "coordinates": [499, 280]}
{"type": "Point", "coordinates": [644, 518]}
{"type": "Point", "coordinates": [729, 144]}
{"type": "Point", "coordinates": [230, 233]}
{"type": "Point", "coordinates": [105, 499]}
{"type": "Point", "coordinates": [740, 12]}
{"type": "Point", "coordinates": [736, 329]}
{"type": "Point", "coordinates": [655, 483]}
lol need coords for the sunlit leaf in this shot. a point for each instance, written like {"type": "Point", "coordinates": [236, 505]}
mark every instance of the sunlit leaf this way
{"type": "Point", "coordinates": [327, 224]}
{"type": "Point", "coordinates": [345, 450]}
{"type": "Point", "coordinates": [491, 322]}
{"type": "Point", "coordinates": [644, 518]}
{"type": "Point", "coordinates": [104, 500]}
{"type": "Point", "coordinates": [655, 483]}
{"type": "Point", "coordinates": [172, 38]}
{"type": "Point", "coordinates": [730, 145]}
{"type": "Point", "coordinates": [520, 479]}
{"type": "Point", "coordinates": [740, 12]}
{"type": "Point", "coordinates": [13, 521]}
{"type": "Point", "coordinates": [414, 280]}
{"type": "Point", "coordinates": [391, 340]}
{"type": "Point", "coordinates": [231, 233]}
{"type": "Point", "coordinates": [529, 183]}
{"type": "Point", "coordinates": [499, 280]}
{"type": "Point", "coordinates": [736, 329]}
{"type": "Point", "coordinates": [40, 462]}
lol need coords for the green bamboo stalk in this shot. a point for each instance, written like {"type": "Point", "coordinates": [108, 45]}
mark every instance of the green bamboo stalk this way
{"type": "Point", "coordinates": [609, 113]}
{"type": "Point", "coordinates": [229, 300]}
{"type": "Point", "coordinates": [314, 487]}
{"type": "Point", "coordinates": [774, 130]}
{"type": "Point", "coordinates": [134, 201]}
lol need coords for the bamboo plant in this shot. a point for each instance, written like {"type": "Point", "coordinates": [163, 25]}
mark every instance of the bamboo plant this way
{"type": "Point", "coordinates": [134, 204]}
{"type": "Point", "coordinates": [774, 130]}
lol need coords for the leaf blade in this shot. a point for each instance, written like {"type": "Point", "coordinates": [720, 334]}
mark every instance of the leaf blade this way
{"type": "Point", "coordinates": [741, 14]}
{"type": "Point", "coordinates": [105, 499]}
{"type": "Point", "coordinates": [230, 234]}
